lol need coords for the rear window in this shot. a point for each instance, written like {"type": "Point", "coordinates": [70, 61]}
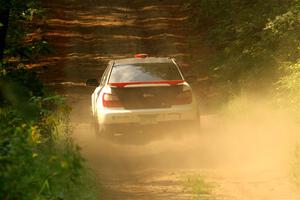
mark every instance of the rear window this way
{"type": "Point", "coordinates": [144, 72]}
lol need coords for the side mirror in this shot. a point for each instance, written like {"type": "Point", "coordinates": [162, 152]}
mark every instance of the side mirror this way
{"type": "Point", "coordinates": [92, 82]}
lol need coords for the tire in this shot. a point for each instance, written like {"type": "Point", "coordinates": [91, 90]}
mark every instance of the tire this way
{"type": "Point", "coordinates": [95, 126]}
{"type": "Point", "coordinates": [197, 124]}
{"type": "Point", "coordinates": [99, 130]}
{"type": "Point", "coordinates": [103, 130]}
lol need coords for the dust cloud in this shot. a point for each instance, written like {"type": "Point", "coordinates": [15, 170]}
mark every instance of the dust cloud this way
{"type": "Point", "coordinates": [252, 135]}
{"type": "Point", "coordinates": [249, 138]}
{"type": "Point", "coordinates": [250, 142]}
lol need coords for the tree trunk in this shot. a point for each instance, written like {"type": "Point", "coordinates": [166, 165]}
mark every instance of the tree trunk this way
{"type": "Point", "coordinates": [4, 19]}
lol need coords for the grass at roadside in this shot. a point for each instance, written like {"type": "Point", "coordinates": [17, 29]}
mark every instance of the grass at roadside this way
{"type": "Point", "coordinates": [295, 167]}
{"type": "Point", "coordinates": [200, 188]}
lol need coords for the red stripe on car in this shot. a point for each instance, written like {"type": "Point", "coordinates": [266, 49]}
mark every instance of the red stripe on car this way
{"type": "Point", "coordinates": [123, 84]}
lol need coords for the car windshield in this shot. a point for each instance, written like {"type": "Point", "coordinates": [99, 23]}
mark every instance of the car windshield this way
{"type": "Point", "coordinates": [144, 72]}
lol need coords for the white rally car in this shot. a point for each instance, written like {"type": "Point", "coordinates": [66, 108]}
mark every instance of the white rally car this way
{"type": "Point", "coordinates": [142, 91]}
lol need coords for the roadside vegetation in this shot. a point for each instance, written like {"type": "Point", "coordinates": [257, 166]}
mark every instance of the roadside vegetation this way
{"type": "Point", "coordinates": [256, 47]}
{"type": "Point", "coordinates": [38, 159]}
{"type": "Point", "coordinates": [201, 189]}
{"type": "Point", "coordinates": [256, 44]}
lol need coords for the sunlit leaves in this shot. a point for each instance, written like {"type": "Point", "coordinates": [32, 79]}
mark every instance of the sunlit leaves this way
{"type": "Point", "coordinates": [249, 36]}
{"type": "Point", "coordinates": [38, 160]}
{"type": "Point", "coordinates": [288, 88]}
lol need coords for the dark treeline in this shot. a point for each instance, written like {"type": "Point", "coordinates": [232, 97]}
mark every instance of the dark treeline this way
{"type": "Point", "coordinates": [38, 159]}
{"type": "Point", "coordinates": [256, 45]}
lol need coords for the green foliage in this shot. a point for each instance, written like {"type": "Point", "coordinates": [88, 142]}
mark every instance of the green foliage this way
{"type": "Point", "coordinates": [288, 88]}
{"type": "Point", "coordinates": [201, 189]}
{"type": "Point", "coordinates": [295, 172]}
{"type": "Point", "coordinates": [251, 38]}
{"type": "Point", "coordinates": [22, 81]}
{"type": "Point", "coordinates": [38, 159]}
{"type": "Point", "coordinates": [20, 45]}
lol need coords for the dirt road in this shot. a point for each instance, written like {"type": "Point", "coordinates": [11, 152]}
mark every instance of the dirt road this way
{"type": "Point", "coordinates": [152, 166]}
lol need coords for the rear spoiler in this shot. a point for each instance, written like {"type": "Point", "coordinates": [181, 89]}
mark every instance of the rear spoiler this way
{"type": "Point", "coordinates": [147, 83]}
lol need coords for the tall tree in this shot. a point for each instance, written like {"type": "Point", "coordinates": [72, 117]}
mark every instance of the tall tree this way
{"type": "Point", "coordinates": [5, 7]}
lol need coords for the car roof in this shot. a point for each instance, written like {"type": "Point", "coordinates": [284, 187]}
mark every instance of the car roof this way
{"type": "Point", "coordinates": [127, 61]}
